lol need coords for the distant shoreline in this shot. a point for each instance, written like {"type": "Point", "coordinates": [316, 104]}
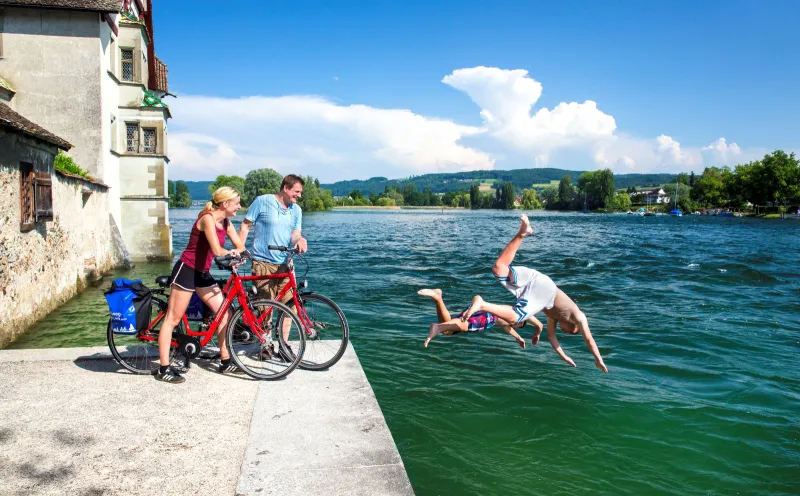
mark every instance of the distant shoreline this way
{"type": "Point", "coordinates": [405, 207]}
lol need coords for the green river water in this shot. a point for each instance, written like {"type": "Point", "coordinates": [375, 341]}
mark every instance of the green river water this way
{"type": "Point", "coordinates": [698, 320]}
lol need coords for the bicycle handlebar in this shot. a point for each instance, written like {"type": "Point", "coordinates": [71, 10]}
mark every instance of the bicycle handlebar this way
{"type": "Point", "coordinates": [291, 251]}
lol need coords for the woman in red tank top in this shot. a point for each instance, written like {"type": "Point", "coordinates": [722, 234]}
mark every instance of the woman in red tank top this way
{"type": "Point", "coordinates": [191, 274]}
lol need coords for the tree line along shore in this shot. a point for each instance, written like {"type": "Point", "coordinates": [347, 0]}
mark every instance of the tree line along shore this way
{"type": "Point", "coordinates": [769, 185]}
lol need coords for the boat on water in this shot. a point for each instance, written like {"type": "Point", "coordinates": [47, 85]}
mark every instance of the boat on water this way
{"type": "Point", "coordinates": [676, 212]}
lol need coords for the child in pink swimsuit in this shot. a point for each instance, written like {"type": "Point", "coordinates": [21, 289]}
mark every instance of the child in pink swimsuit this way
{"type": "Point", "coordinates": [477, 321]}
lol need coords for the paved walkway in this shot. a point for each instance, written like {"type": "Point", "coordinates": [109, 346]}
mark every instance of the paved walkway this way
{"type": "Point", "coordinates": [74, 424]}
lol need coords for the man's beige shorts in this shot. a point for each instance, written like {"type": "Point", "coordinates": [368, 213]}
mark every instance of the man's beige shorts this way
{"type": "Point", "coordinates": [271, 288]}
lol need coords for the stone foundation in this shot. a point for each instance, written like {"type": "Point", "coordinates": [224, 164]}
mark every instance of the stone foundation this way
{"type": "Point", "coordinates": [43, 268]}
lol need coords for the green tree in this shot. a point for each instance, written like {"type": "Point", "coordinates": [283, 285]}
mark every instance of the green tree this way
{"type": "Point", "coordinates": [181, 198]}
{"type": "Point", "coordinates": [550, 197]}
{"type": "Point", "coordinates": [474, 194]}
{"type": "Point", "coordinates": [385, 202]}
{"type": "Point", "coordinates": [235, 182]}
{"type": "Point", "coordinates": [621, 202]}
{"type": "Point", "coordinates": [529, 200]}
{"type": "Point", "coordinates": [261, 182]}
{"type": "Point", "coordinates": [507, 195]}
{"type": "Point", "coordinates": [566, 192]}
{"type": "Point", "coordinates": [709, 190]}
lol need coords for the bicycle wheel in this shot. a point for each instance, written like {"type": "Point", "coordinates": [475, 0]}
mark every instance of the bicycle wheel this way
{"type": "Point", "coordinates": [269, 348]}
{"type": "Point", "coordinates": [138, 352]}
{"type": "Point", "coordinates": [328, 333]}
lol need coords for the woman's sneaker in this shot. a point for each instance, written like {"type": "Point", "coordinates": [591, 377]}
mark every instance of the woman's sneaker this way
{"type": "Point", "coordinates": [229, 367]}
{"type": "Point", "coordinates": [170, 375]}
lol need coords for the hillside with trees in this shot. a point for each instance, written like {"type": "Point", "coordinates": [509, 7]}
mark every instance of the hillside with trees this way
{"type": "Point", "coordinates": [520, 178]}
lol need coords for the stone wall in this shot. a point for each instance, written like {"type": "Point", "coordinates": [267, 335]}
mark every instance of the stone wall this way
{"type": "Point", "coordinates": [43, 268]}
{"type": "Point", "coordinates": [54, 59]}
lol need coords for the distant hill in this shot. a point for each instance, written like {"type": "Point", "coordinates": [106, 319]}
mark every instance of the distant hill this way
{"type": "Point", "coordinates": [522, 178]}
{"type": "Point", "coordinates": [198, 190]}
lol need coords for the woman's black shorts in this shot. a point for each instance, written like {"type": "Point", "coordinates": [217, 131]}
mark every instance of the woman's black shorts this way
{"type": "Point", "coordinates": [189, 279]}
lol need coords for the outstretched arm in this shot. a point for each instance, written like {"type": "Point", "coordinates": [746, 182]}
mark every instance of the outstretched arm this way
{"type": "Point", "coordinates": [583, 326]}
{"type": "Point", "coordinates": [551, 336]}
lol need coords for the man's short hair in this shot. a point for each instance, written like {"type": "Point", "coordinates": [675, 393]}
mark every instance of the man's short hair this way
{"type": "Point", "coordinates": [290, 180]}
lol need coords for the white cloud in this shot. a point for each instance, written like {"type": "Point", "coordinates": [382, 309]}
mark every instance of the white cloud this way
{"type": "Point", "coordinates": [506, 99]}
{"type": "Point", "coordinates": [312, 135]}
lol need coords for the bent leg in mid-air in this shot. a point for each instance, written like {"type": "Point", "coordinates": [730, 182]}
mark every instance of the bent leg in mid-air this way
{"type": "Point", "coordinates": [436, 295]}
{"type": "Point", "coordinates": [503, 262]}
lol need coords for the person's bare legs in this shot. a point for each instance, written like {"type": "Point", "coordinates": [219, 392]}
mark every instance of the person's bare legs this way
{"type": "Point", "coordinates": [178, 303]}
{"type": "Point", "coordinates": [500, 268]}
{"type": "Point", "coordinates": [448, 327]}
{"type": "Point", "coordinates": [436, 295]}
{"type": "Point", "coordinates": [505, 312]}
{"type": "Point", "coordinates": [213, 298]}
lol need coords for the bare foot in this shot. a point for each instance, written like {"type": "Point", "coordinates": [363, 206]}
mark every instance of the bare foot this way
{"type": "Point", "coordinates": [477, 301]}
{"type": "Point", "coordinates": [525, 228]}
{"type": "Point", "coordinates": [433, 333]}
{"type": "Point", "coordinates": [431, 293]}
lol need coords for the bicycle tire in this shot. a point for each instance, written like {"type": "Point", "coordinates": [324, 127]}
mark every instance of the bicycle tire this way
{"type": "Point", "coordinates": [263, 361]}
{"type": "Point", "coordinates": [135, 355]}
{"type": "Point", "coordinates": [328, 321]}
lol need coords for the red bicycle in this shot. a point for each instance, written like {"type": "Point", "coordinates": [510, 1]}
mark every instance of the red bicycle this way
{"type": "Point", "coordinates": [265, 338]}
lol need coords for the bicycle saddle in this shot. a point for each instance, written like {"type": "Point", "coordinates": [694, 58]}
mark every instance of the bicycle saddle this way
{"type": "Point", "coordinates": [162, 281]}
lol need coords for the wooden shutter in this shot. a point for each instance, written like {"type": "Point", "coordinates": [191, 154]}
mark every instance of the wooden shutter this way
{"type": "Point", "coordinates": [43, 196]}
{"type": "Point", "coordinates": [27, 216]}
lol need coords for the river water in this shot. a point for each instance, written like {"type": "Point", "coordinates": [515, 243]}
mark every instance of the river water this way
{"type": "Point", "coordinates": [698, 320]}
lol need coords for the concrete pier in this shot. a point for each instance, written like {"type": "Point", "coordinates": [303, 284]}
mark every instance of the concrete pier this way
{"type": "Point", "coordinates": [73, 423]}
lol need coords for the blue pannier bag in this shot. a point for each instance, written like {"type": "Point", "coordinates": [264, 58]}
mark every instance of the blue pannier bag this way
{"type": "Point", "coordinates": [130, 304]}
{"type": "Point", "coordinates": [196, 308]}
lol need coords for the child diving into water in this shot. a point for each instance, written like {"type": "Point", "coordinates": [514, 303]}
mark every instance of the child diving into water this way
{"type": "Point", "coordinates": [478, 321]}
{"type": "Point", "coordinates": [535, 292]}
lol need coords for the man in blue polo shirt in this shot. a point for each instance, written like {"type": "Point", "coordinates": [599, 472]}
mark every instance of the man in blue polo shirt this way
{"type": "Point", "coordinates": [278, 221]}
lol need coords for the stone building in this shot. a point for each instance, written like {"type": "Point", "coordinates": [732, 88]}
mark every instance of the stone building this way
{"type": "Point", "coordinates": [86, 70]}
{"type": "Point", "coordinates": [55, 229]}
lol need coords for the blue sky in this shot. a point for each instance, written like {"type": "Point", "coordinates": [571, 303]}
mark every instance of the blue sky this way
{"type": "Point", "coordinates": [274, 84]}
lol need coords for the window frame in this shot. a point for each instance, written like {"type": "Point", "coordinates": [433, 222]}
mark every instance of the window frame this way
{"type": "Point", "coordinates": [27, 202]}
{"type": "Point", "coordinates": [154, 149]}
{"type": "Point", "coordinates": [123, 60]}
{"type": "Point", "coordinates": [137, 143]}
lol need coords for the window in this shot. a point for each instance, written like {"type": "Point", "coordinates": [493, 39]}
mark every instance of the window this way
{"type": "Point", "coordinates": [149, 140]}
{"type": "Point", "coordinates": [27, 215]}
{"type": "Point", "coordinates": [127, 64]}
{"type": "Point", "coordinates": [43, 196]}
{"type": "Point", "coordinates": [132, 135]}
{"type": "Point", "coordinates": [36, 197]}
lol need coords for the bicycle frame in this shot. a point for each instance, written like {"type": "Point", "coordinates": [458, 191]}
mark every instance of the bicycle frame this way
{"type": "Point", "coordinates": [234, 290]}
{"type": "Point", "coordinates": [291, 286]}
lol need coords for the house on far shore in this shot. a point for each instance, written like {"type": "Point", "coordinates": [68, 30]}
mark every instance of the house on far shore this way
{"type": "Point", "coordinates": [56, 228]}
{"type": "Point", "coordinates": [86, 70]}
{"type": "Point", "coordinates": [652, 196]}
